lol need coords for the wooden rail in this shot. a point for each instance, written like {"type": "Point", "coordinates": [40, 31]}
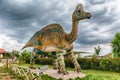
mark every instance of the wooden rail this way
{"type": "Point", "coordinates": [26, 73]}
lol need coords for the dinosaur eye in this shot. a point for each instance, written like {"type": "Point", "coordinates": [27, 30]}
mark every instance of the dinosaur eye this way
{"type": "Point", "coordinates": [79, 11]}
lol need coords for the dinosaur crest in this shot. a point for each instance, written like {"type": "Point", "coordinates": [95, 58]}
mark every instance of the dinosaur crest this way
{"type": "Point", "coordinates": [79, 7]}
{"type": "Point", "coordinates": [80, 14]}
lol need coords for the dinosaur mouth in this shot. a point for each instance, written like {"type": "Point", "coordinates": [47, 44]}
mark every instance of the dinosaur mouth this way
{"type": "Point", "coordinates": [89, 15]}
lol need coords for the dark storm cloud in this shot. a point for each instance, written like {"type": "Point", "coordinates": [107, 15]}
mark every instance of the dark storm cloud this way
{"type": "Point", "coordinates": [92, 40]}
{"type": "Point", "coordinates": [16, 12]}
{"type": "Point", "coordinates": [18, 18]}
{"type": "Point", "coordinates": [101, 12]}
{"type": "Point", "coordinates": [102, 24]}
{"type": "Point", "coordinates": [22, 19]}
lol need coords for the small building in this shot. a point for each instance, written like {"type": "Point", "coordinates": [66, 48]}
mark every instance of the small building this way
{"type": "Point", "coordinates": [3, 53]}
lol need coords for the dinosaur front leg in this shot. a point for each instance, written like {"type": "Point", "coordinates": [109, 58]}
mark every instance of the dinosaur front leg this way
{"type": "Point", "coordinates": [32, 60]}
{"type": "Point", "coordinates": [36, 52]}
{"type": "Point", "coordinates": [55, 62]}
{"type": "Point", "coordinates": [74, 61]}
{"type": "Point", "coordinates": [34, 55]}
{"type": "Point", "coordinates": [61, 64]}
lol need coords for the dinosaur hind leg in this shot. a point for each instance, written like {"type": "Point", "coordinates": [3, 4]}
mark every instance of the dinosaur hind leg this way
{"type": "Point", "coordinates": [74, 61]}
{"type": "Point", "coordinates": [34, 55]}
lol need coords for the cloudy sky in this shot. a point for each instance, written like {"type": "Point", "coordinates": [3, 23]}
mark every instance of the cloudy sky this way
{"type": "Point", "coordinates": [20, 19]}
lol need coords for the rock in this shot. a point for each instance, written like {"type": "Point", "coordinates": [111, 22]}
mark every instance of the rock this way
{"type": "Point", "coordinates": [54, 73]}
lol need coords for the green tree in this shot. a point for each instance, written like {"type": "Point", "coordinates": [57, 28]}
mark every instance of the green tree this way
{"type": "Point", "coordinates": [14, 53]}
{"type": "Point", "coordinates": [97, 50]}
{"type": "Point", "coordinates": [25, 55]}
{"type": "Point", "coordinates": [116, 45]}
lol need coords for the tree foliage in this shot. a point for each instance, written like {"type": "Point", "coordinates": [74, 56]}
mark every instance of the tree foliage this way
{"type": "Point", "coordinates": [24, 55]}
{"type": "Point", "coordinates": [15, 53]}
{"type": "Point", "coordinates": [97, 50]}
{"type": "Point", "coordinates": [116, 45]}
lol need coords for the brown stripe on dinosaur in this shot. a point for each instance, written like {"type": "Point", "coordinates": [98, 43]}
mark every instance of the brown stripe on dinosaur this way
{"type": "Point", "coordinates": [38, 47]}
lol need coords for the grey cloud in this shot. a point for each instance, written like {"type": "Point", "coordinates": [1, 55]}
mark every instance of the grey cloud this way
{"type": "Point", "coordinates": [19, 18]}
{"type": "Point", "coordinates": [93, 2]}
{"type": "Point", "coordinates": [24, 20]}
{"type": "Point", "coordinates": [114, 29]}
{"type": "Point", "coordinates": [15, 11]}
{"type": "Point", "coordinates": [101, 13]}
{"type": "Point", "coordinates": [92, 40]}
{"type": "Point", "coordinates": [101, 20]}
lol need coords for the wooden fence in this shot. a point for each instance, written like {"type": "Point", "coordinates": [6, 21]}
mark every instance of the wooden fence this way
{"type": "Point", "coordinates": [26, 73]}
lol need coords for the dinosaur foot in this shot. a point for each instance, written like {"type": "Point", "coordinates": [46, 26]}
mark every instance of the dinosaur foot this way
{"type": "Point", "coordinates": [32, 67]}
{"type": "Point", "coordinates": [78, 68]}
{"type": "Point", "coordinates": [63, 72]}
{"type": "Point", "coordinates": [55, 68]}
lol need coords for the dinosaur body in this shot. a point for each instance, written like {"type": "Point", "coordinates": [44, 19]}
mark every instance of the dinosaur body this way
{"type": "Point", "coordinates": [49, 39]}
{"type": "Point", "coordinates": [53, 38]}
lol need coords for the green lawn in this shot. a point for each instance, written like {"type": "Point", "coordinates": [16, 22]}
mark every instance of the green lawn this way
{"type": "Point", "coordinates": [90, 74]}
{"type": "Point", "coordinates": [101, 75]}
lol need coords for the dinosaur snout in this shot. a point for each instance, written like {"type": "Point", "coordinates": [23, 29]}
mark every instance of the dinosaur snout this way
{"type": "Point", "coordinates": [89, 15]}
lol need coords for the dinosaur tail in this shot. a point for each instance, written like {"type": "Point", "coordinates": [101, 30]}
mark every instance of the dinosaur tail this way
{"type": "Point", "coordinates": [31, 41]}
{"type": "Point", "coordinates": [27, 45]}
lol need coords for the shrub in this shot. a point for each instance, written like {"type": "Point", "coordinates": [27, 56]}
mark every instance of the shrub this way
{"type": "Point", "coordinates": [86, 63]}
{"type": "Point", "coordinates": [44, 61]}
{"type": "Point", "coordinates": [68, 63]}
{"type": "Point", "coordinates": [105, 63]}
{"type": "Point", "coordinates": [115, 64]}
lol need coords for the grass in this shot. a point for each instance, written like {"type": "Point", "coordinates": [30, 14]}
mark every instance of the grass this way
{"type": "Point", "coordinates": [36, 65]}
{"type": "Point", "coordinates": [90, 74]}
{"type": "Point", "coordinates": [101, 75]}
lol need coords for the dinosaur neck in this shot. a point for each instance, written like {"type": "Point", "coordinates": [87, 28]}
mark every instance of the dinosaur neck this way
{"type": "Point", "coordinates": [74, 32]}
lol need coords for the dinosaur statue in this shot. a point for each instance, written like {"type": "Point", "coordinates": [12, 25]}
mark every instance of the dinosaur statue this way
{"type": "Point", "coordinates": [54, 39]}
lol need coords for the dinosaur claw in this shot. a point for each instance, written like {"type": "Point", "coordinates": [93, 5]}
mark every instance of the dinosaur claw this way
{"type": "Point", "coordinates": [63, 72]}
{"type": "Point", "coordinates": [32, 67]}
{"type": "Point", "coordinates": [78, 69]}
{"type": "Point", "coordinates": [55, 68]}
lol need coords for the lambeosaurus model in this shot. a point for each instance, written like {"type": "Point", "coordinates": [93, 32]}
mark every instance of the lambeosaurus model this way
{"type": "Point", "coordinates": [53, 38]}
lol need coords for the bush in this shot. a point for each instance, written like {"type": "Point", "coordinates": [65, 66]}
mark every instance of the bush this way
{"type": "Point", "coordinates": [68, 63]}
{"type": "Point", "coordinates": [86, 63]}
{"type": "Point", "coordinates": [115, 64]}
{"type": "Point", "coordinates": [44, 61]}
{"type": "Point", "coordinates": [105, 63]}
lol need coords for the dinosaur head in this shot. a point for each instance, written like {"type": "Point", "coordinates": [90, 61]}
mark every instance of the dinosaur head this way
{"type": "Point", "coordinates": [80, 14]}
